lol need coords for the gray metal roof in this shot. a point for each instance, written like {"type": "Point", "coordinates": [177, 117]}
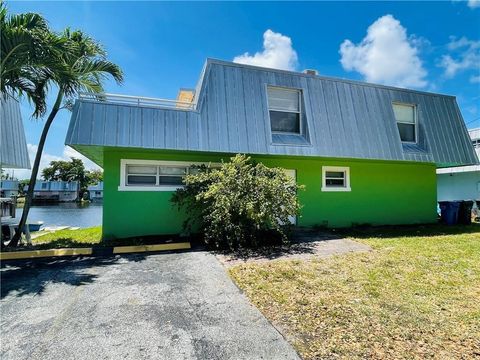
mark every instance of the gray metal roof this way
{"type": "Point", "coordinates": [13, 146]}
{"type": "Point", "coordinates": [55, 186]}
{"type": "Point", "coordinates": [474, 133]}
{"type": "Point", "coordinates": [343, 119]}
{"type": "Point", "coordinates": [96, 187]}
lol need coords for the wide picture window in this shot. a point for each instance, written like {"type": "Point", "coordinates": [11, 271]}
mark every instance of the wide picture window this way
{"type": "Point", "coordinates": [153, 175]}
{"type": "Point", "coordinates": [156, 175]}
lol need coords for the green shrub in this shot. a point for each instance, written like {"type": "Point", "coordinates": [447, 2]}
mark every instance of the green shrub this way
{"type": "Point", "coordinates": [239, 204]}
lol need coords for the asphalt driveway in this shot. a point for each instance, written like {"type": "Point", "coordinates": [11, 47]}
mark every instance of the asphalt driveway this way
{"type": "Point", "coordinates": [162, 306]}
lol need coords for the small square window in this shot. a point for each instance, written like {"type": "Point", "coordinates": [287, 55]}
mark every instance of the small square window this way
{"type": "Point", "coordinates": [335, 178]}
{"type": "Point", "coordinates": [405, 115]}
{"type": "Point", "coordinates": [284, 110]}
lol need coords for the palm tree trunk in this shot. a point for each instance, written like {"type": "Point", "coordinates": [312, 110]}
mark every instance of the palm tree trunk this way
{"type": "Point", "coordinates": [35, 168]}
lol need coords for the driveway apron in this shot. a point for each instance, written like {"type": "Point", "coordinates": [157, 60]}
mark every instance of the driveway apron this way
{"type": "Point", "coordinates": [161, 306]}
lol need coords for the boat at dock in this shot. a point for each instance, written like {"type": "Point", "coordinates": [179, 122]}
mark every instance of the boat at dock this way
{"type": "Point", "coordinates": [35, 226]}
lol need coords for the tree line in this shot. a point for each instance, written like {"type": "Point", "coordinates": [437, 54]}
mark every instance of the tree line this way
{"type": "Point", "coordinates": [73, 170]}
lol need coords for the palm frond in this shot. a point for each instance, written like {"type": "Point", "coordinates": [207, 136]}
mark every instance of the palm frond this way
{"type": "Point", "coordinates": [27, 52]}
{"type": "Point", "coordinates": [88, 66]}
{"type": "Point", "coordinates": [32, 58]}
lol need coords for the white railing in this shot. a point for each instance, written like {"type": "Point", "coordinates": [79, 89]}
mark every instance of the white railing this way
{"type": "Point", "coordinates": [137, 100]}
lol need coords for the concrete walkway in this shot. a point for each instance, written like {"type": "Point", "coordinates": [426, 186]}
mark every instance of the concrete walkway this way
{"type": "Point", "coordinates": [163, 306]}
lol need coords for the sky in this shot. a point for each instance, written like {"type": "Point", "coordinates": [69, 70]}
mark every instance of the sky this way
{"type": "Point", "coordinates": [162, 46]}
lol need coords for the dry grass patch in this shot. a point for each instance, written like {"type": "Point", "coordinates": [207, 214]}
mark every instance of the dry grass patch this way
{"type": "Point", "coordinates": [414, 297]}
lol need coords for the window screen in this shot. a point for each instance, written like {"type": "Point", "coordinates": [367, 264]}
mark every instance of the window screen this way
{"type": "Point", "coordinates": [284, 109]}
{"type": "Point", "coordinates": [335, 178]}
{"type": "Point", "coordinates": [141, 175]}
{"type": "Point", "coordinates": [405, 116]}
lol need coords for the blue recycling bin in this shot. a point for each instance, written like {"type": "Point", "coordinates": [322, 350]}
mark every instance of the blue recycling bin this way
{"type": "Point", "coordinates": [449, 211]}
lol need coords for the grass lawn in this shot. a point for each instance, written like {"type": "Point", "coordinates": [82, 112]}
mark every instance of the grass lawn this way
{"type": "Point", "coordinates": [69, 238]}
{"type": "Point", "coordinates": [416, 296]}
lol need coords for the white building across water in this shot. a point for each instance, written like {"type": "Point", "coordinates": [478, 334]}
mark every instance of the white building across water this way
{"type": "Point", "coordinates": [55, 191]}
{"type": "Point", "coordinates": [95, 192]}
{"type": "Point", "coordinates": [8, 188]}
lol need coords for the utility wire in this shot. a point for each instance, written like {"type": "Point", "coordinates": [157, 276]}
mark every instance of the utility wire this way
{"type": "Point", "coordinates": [472, 121]}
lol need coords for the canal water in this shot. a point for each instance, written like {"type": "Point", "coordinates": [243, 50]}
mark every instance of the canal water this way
{"type": "Point", "coordinates": [65, 214]}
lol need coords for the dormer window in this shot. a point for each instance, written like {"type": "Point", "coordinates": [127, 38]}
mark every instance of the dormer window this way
{"type": "Point", "coordinates": [284, 109]}
{"type": "Point", "coordinates": [406, 117]}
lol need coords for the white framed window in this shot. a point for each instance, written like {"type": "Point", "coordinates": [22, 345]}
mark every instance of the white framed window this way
{"type": "Point", "coordinates": [336, 178]}
{"type": "Point", "coordinates": [476, 143]}
{"type": "Point", "coordinates": [154, 175]}
{"type": "Point", "coordinates": [284, 108]}
{"type": "Point", "coordinates": [406, 117]}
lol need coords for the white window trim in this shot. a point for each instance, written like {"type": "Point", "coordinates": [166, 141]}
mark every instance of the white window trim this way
{"type": "Point", "coordinates": [344, 169]}
{"type": "Point", "coordinates": [415, 121]}
{"type": "Point", "coordinates": [299, 112]}
{"type": "Point", "coordinates": [123, 172]}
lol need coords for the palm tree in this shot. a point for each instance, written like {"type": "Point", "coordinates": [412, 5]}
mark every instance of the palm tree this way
{"type": "Point", "coordinates": [82, 66]}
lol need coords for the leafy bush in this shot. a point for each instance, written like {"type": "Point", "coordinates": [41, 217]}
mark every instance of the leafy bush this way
{"type": "Point", "coordinates": [241, 203]}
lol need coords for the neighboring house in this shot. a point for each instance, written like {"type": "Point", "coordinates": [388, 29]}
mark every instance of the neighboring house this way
{"type": "Point", "coordinates": [13, 151]}
{"type": "Point", "coordinates": [13, 146]}
{"type": "Point", "coordinates": [8, 188]}
{"type": "Point", "coordinates": [461, 183]}
{"type": "Point", "coordinates": [55, 191]}
{"type": "Point", "coordinates": [366, 153]}
{"type": "Point", "coordinates": [95, 192]}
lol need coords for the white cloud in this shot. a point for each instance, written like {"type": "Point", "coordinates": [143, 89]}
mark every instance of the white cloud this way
{"type": "Point", "coordinates": [475, 79]}
{"type": "Point", "coordinates": [465, 55]}
{"type": "Point", "coordinates": [68, 152]}
{"type": "Point", "coordinates": [385, 55]}
{"type": "Point", "coordinates": [277, 53]}
{"type": "Point", "coordinates": [472, 4]}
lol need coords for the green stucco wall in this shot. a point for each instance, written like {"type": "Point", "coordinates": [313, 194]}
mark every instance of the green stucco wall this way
{"type": "Point", "coordinates": [382, 193]}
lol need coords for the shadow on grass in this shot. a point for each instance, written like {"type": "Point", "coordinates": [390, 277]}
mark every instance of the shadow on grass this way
{"type": "Point", "coordinates": [393, 231]}
{"type": "Point", "coordinates": [306, 241]}
{"type": "Point", "coordinates": [302, 242]}
{"type": "Point", "coordinates": [30, 277]}
{"type": "Point", "coordinates": [63, 242]}
{"type": "Point", "coordinates": [72, 242]}
{"type": "Point", "coordinates": [148, 240]}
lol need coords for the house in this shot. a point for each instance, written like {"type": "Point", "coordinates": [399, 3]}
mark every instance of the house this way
{"type": "Point", "coordinates": [95, 192]}
{"type": "Point", "coordinates": [8, 188]}
{"type": "Point", "coordinates": [55, 191]}
{"type": "Point", "coordinates": [366, 153]}
{"type": "Point", "coordinates": [463, 182]}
